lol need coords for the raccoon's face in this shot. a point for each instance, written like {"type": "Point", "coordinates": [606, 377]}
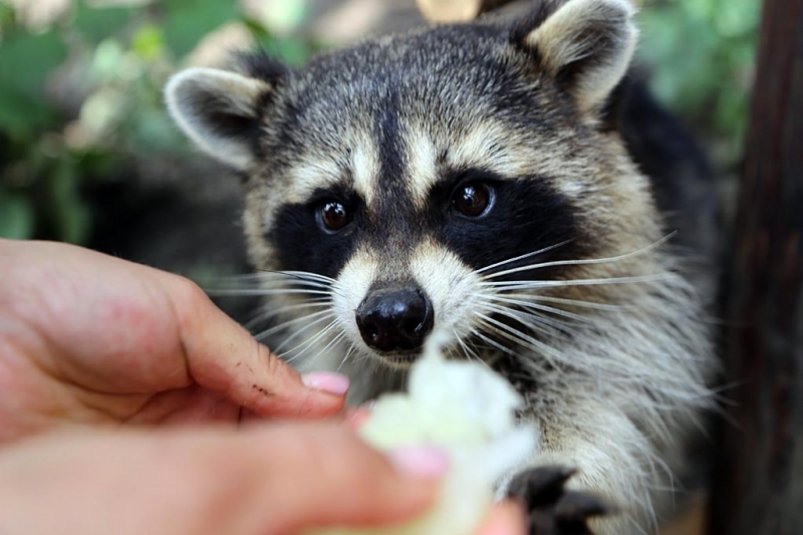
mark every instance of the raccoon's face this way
{"type": "Point", "coordinates": [452, 181]}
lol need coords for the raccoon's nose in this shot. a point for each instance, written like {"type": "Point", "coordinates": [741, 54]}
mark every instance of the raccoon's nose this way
{"type": "Point", "coordinates": [393, 319]}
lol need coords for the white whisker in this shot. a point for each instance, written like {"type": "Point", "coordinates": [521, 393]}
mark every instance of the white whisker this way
{"type": "Point", "coordinates": [569, 302]}
{"type": "Point", "coordinates": [285, 324]}
{"type": "Point", "coordinates": [349, 352]}
{"type": "Point", "coordinates": [306, 344]}
{"type": "Point", "coordinates": [301, 331]}
{"type": "Point", "coordinates": [273, 312]}
{"type": "Point", "coordinates": [521, 338]}
{"type": "Point", "coordinates": [532, 321]}
{"type": "Point", "coordinates": [522, 257]}
{"type": "Point", "coordinates": [537, 306]}
{"type": "Point", "coordinates": [518, 285]}
{"type": "Point", "coordinates": [579, 262]}
{"type": "Point", "coordinates": [333, 341]}
{"type": "Point", "coordinates": [265, 292]}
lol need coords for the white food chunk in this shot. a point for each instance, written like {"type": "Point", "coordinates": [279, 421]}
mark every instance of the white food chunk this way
{"type": "Point", "coordinates": [467, 410]}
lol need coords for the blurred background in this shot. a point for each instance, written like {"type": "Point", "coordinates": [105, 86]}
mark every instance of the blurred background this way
{"type": "Point", "coordinates": [89, 156]}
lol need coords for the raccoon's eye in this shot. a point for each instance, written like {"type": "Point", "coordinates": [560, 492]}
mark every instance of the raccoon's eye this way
{"type": "Point", "coordinates": [333, 216]}
{"type": "Point", "coordinates": [473, 199]}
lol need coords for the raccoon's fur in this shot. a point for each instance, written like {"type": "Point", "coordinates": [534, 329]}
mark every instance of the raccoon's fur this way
{"type": "Point", "coordinates": [463, 180]}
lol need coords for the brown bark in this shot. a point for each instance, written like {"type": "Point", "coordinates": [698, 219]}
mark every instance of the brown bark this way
{"type": "Point", "coordinates": [758, 486]}
{"type": "Point", "coordinates": [456, 10]}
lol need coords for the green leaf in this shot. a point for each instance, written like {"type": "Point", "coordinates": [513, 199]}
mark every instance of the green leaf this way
{"type": "Point", "coordinates": [149, 42]}
{"type": "Point", "coordinates": [98, 23]}
{"type": "Point", "coordinates": [188, 21]}
{"type": "Point", "coordinates": [21, 115]}
{"type": "Point", "coordinates": [16, 217]}
{"type": "Point", "coordinates": [71, 216]}
{"type": "Point", "coordinates": [26, 61]}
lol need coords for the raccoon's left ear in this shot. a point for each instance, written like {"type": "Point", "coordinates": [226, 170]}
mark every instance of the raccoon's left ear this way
{"type": "Point", "coordinates": [585, 45]}
{"type": "Point", "coordinates": [220, 111]}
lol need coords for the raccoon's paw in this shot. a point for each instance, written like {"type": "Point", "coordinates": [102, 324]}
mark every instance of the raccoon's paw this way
{"type": "Point", "coordinates": [553, 509]}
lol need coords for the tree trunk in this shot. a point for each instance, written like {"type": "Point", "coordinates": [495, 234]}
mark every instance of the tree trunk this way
{"type": "Point", "coordinates": [758, 485]}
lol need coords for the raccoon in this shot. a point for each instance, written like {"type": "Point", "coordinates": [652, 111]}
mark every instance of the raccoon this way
{"type": "Point", "coordinates": [463, 181]}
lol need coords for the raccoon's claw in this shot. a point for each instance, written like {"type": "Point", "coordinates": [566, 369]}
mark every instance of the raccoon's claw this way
{"type": "Point", "coordinates": [554, 510]}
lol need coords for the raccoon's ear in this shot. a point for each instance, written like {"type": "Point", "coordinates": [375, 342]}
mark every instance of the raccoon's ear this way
{"type": "Point", "coordinates": [586, 45]}
{"type": "Point", "coordinates": [219, 111]}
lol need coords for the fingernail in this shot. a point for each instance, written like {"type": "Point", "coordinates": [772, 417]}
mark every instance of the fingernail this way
{"type": "Point", "coordinates": [424, 462]}
{"type": "Point", "coordinates": [329, 382]}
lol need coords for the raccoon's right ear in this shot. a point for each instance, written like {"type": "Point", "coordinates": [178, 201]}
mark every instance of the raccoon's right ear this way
{"type": "Point", "coordinates": [585, 45]}
{"type": "Point", "coordinates": [220, 111]}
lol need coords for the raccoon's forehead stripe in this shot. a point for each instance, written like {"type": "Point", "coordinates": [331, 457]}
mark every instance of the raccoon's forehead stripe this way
{"type": "Point", "coordinates": [364, 169]}
{"type": "Point", "coordinates": [487, 144]}
{"type": "Point", "coordinates": [356, 168]}
{"type": "Point", "coordinates": [484, 145]}
{"type": "Point", "coordinates": [422, 155]}
{"type": "Point", "coordinates": [313, 174]}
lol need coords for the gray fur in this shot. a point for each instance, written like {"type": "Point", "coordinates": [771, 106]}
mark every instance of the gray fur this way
{"type": "Point", "coordinates": [386, 121]}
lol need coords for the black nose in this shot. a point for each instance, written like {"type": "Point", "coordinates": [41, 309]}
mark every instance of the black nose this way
{"type": "Point", "coordinates": [395, 319]}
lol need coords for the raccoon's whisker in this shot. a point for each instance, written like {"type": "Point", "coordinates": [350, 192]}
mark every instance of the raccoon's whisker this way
{"type": "Point", "coordinates": [325, 348]}
{"type": "Point", "coordinates": [273, 312]}
{"type": "Point", "coordinates": [524, 284]}
{"type": "Point", "coordinates": [522, 257]}
{"type": "Point", "coordinates": [536, 306]}
{"type": "Point", "coordinates": [306, 344]}
{"type": "Point", "coordinates": [307, 275]}
{"type": "Point", "coordinates": [281, 282]}
{"type": "Point", "coordinates": [349, 352]}
{"type": "Point", "coordinates": [468, 352]}
{"type": "Point", "coordinates": [529, 319]}
{"type": "Point", "coordinates": [580, 262]}
{"type": "Point", "coordinates": [494, 344]}
{"type": "Point", "coordinates": [568, 301]}
{"type": "Point", "coordinates": [283, 325]}
{"type": "Point", "coordinates": [519, 337]}
{"type": "Point", "coordinates": [266, 291]}
{"type": "Point", "coordinates": [265, 274]}
{"type": "Point", "coordinates": [300, 332]}
{"type": "Point", "coordinates": [263, 279]}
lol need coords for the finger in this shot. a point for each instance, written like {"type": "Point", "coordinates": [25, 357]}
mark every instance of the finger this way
{"type": "Point", "coordinates": [283, 480]}
{"type": "Point", "coordinates": [337, 480]}
{"type": "Point", "coordinates": [357, 417]}
{"type": "Point", "coordinates": [507, 518]}
{"type": "Point", "coordinates": [116, 327]}
{"type": "Point", "coordinates": [221, 355]}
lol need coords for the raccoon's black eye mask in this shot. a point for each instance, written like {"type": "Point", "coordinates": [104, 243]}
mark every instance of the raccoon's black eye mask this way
{"type": "Point", "coordinates": [493, 218]}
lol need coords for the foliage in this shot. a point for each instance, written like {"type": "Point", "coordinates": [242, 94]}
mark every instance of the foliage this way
{"type": "Point", "coordinates": [80, 90]}
{"type": "Point", "coordinates": [80, 98]}
{"type": "Point", "coordinates": [703, 56]}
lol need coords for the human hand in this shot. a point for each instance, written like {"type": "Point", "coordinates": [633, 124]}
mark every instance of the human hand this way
{"type": "Point", "coordinates": [277, 480]}
{"type": "Point", "coordinates": [88, 338]}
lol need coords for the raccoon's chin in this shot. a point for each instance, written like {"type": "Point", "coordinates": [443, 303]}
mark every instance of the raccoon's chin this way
{"type": "Point", "coordinates": [397, 360]}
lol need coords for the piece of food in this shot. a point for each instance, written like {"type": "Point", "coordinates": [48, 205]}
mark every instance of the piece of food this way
{"type": "Point", "coordinates": [467, 410]}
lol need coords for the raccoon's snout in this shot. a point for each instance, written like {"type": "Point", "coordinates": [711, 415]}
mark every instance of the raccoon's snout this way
{"type": "Point", "coordinates": [395, 318]}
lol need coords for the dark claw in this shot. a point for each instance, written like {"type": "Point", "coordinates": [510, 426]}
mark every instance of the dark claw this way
{"type": "Point", "coordinates": [581, 506]}
{"type": "Point", "coordinates": [540, 486]}
{"type": "Point", "coordinates": [553, 509]}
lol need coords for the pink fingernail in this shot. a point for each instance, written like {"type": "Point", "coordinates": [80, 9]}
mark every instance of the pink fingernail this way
{"type": "Point", "coordinates": [329, 382]}
{"type": "Point", "coordinates": [424, 462]}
